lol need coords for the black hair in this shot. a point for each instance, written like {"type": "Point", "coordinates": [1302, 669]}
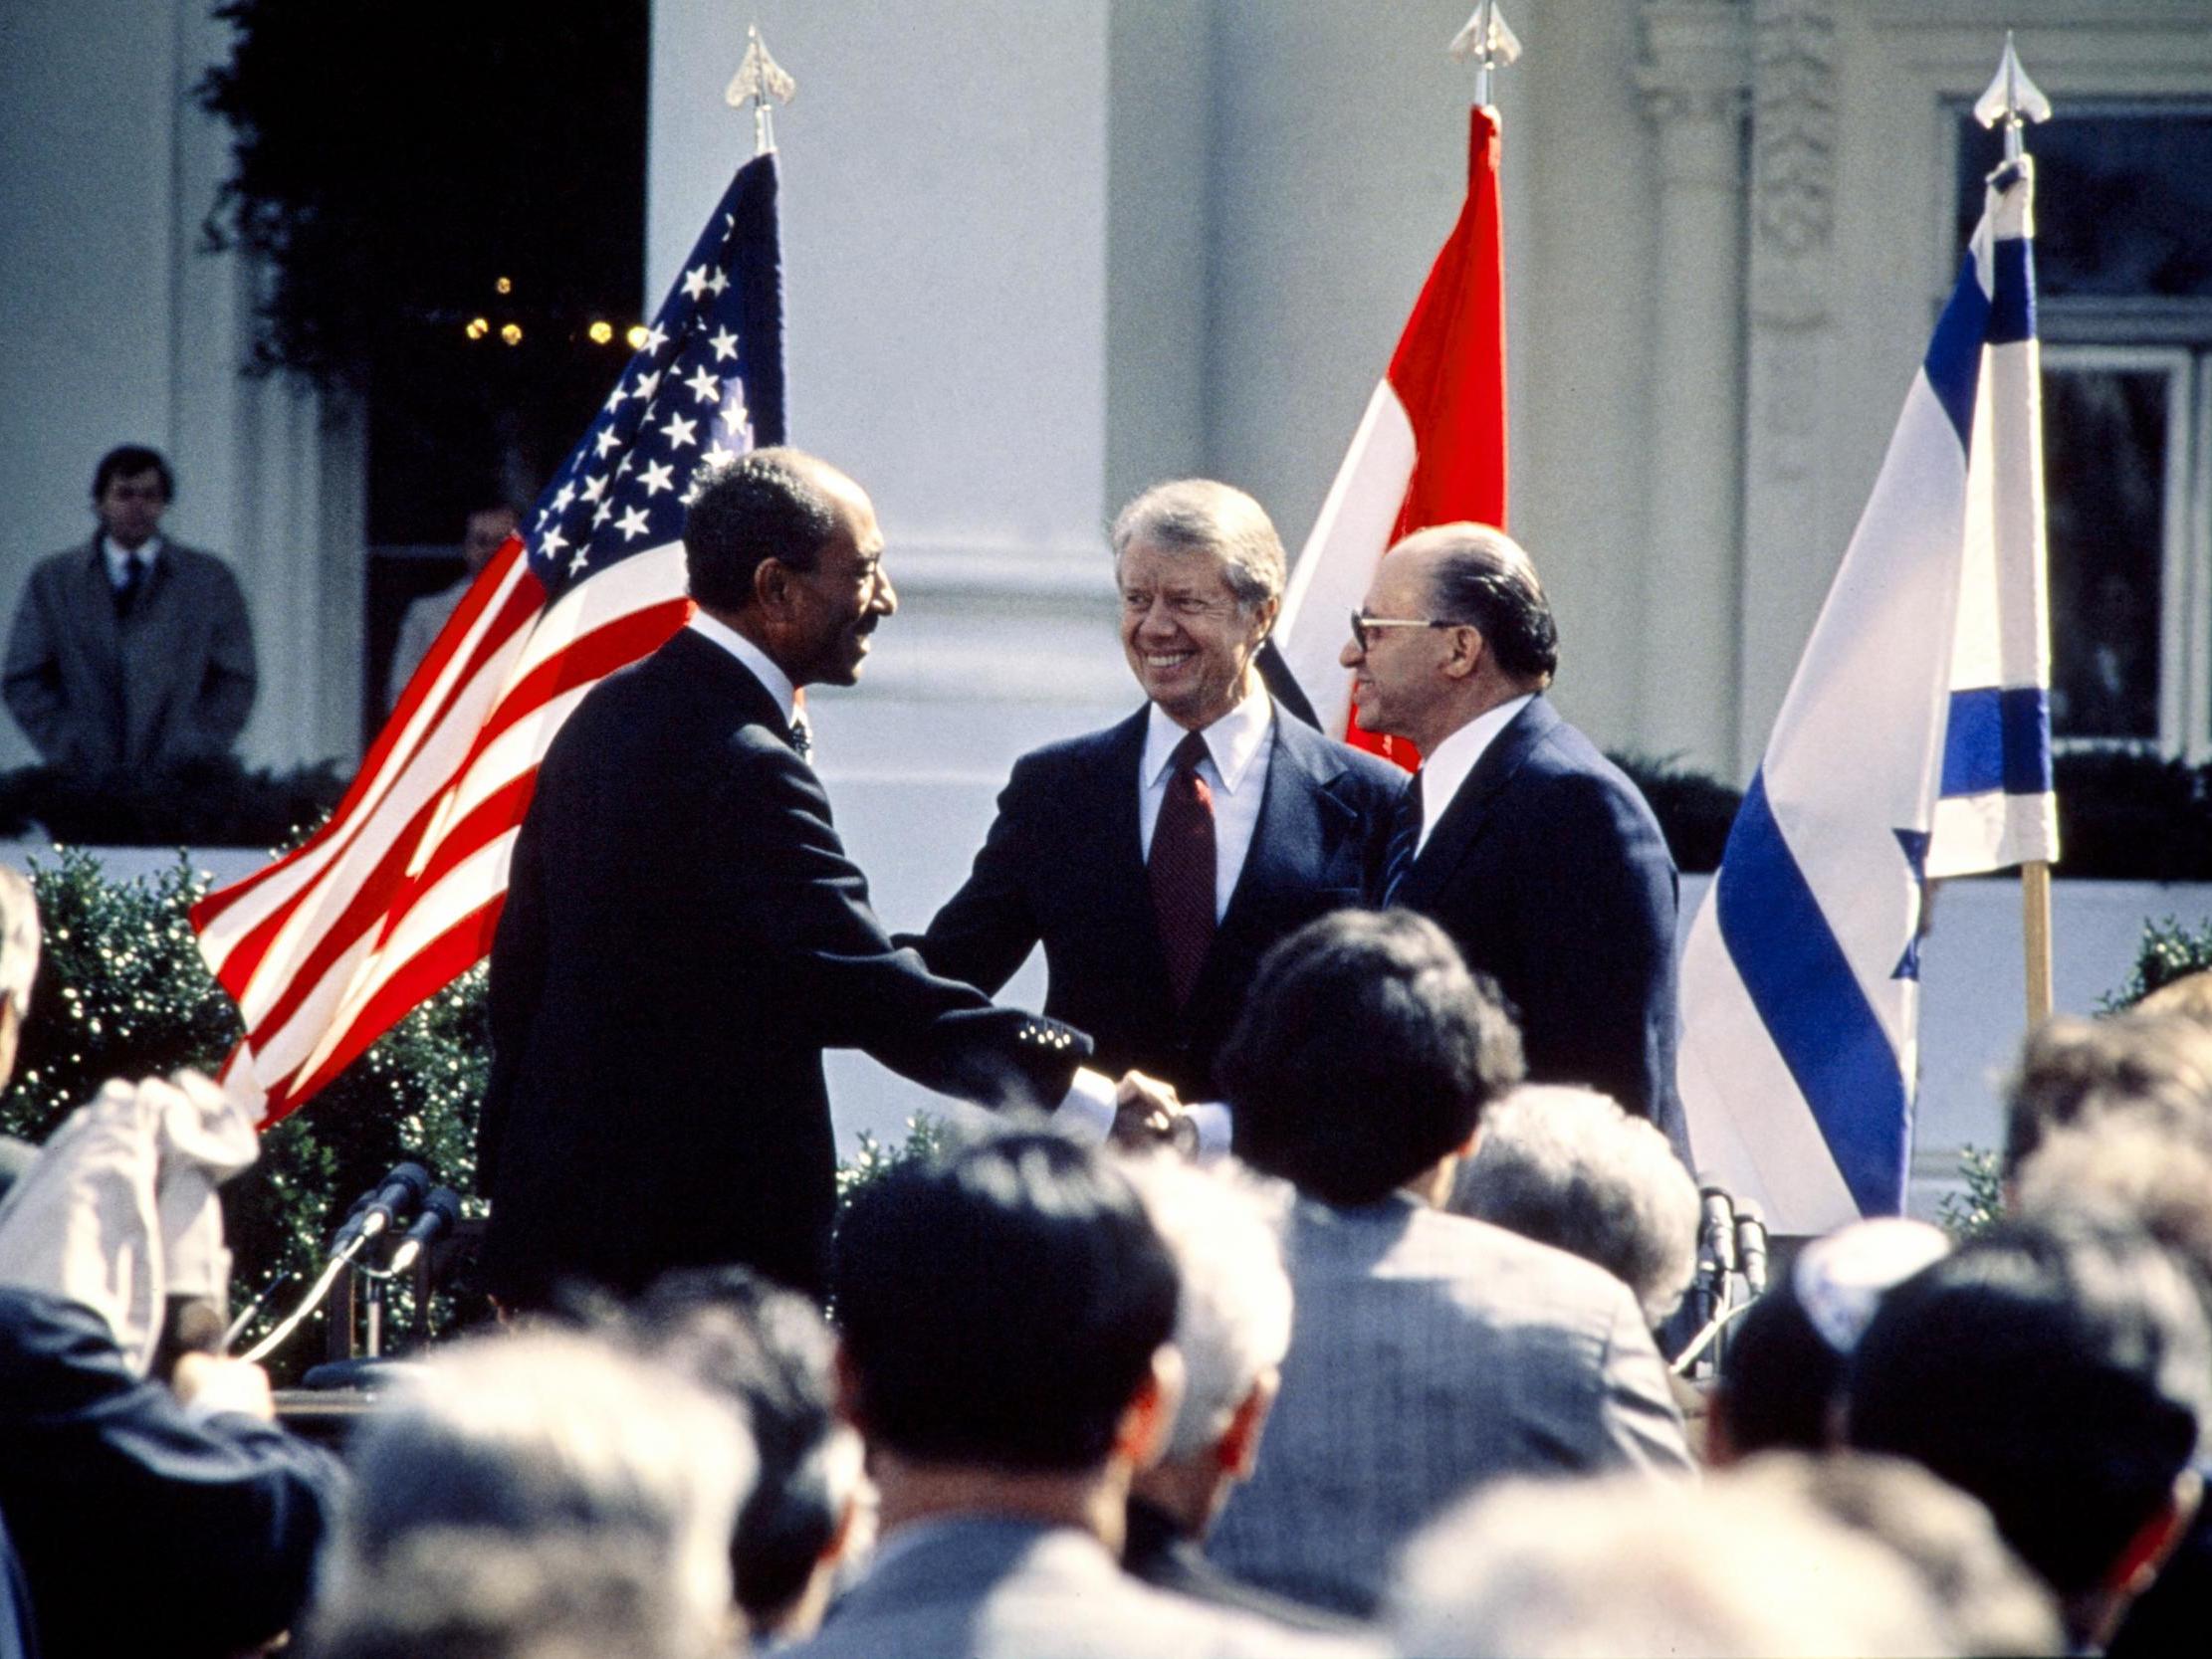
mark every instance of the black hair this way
{"type": "Point", "coordinates": [1472, 583]}
{"type": "Point", "coordinates": [128, 461]}
{"type": "Point", "coordinates": [1365, 1053]}
{"type": "Point", "coordinates": [769, 1349]}
{"type": "Point", "coordinates": [1778, 1377]}
{"type": "Point", "coordinates": [766, 504]}
{"type": "Point", "coordinates": [1001, 1306]}
{"type": "Point", "coordinates": [2053, 1368]}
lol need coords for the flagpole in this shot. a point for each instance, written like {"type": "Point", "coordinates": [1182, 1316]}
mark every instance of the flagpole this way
{"type": "Point", "coordinates": [2014, 99]}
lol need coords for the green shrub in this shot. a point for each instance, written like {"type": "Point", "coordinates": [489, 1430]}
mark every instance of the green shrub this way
{"type": "Point", "coordinates": [2169, 951]}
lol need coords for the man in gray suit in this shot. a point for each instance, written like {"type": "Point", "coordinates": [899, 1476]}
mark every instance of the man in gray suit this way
{"type": "Point", "coordinates": [130, 652]}
{"type": "Point", "coordinates": [1006, 1315]}
{"type": "Point", "coordinates": [1430, 1354]}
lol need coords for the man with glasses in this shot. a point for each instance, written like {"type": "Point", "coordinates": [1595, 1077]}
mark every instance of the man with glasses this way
{"type": "Point", "coordinates": [1532, 850]}
{"type": "Point", "coordinates": [1156, 860]}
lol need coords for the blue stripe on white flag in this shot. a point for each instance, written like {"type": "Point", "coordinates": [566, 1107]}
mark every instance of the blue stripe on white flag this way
{"type": "Point", "coordinates": [1804, 987]}
{"type": "Point", "coordinates": [2012, 316]}
{"type": "Point", "coordinates": [1998, 740]}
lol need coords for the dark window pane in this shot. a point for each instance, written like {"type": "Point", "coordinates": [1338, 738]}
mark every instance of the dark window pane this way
{"type": "Point", "coordinates": [2104, 471]}
{"type": "Point", "coordinates": [2123, 202]}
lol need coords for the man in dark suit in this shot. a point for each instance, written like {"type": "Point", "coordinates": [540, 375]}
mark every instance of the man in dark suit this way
{"type": "Point", "coordinates": [684, 933]}
{"type": "Point", "coordinates": [1537, 854]}
{"type": "Point", "coordinates": [1158, 860]}
{"type": "Point", "coordinates": [1429, 1353]}
{"type": "Point", "coordinates": [130, 651]}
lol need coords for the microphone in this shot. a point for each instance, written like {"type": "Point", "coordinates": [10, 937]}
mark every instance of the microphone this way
{"type": "Point", "coordinates": [441, 1213]}
{"type": "Point", "coordinates": [1716, 1241]}
{"type": "Point", "coordinates": [1752, 1245]}
{"type": "Point", "coordinates": [397, 1196]}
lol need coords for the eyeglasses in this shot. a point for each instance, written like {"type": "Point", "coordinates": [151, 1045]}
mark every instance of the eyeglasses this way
{"type": "Point", "coordinates": [1362, 623]}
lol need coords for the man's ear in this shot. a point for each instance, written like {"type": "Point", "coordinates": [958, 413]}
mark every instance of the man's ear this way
{"type": "Point", "coordinates": [1469, 649]}
{"type": "Point", "coordinates": [2156, 1539]}
{"type": "Point", "coordinates": [1148, 1421]}
{"type": "Point", "coordinates": [771, 584]}
{"type": "Point", "coordinates": [1239, 1447]}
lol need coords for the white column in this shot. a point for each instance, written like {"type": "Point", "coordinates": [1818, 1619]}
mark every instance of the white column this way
{"type": "Point", "coordinates": [1693, 95]}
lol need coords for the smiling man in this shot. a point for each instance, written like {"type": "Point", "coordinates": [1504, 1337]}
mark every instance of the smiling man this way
{"type": "Point", "coordinates": [1158, 860]}
{"type": "Point", "coordinates": [684, 933]}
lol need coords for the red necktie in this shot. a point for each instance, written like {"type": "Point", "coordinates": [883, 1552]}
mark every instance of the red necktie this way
{"type": "Point", "coordinates": [1181, 868]}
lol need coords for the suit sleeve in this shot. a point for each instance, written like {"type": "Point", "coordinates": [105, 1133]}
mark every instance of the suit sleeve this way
{"type": "Point", "coordinates": [1637, 1417]}
{"type": "Point", "coordinates": [214, 1521]}
{"type": "Point", "coordinates": [226, 695]}
{"type": "Point", "coordinates": [33, 677]}
{"type": "Point", "coordinates": [985, 930]}
{"type": "Point", "coordinates": [1598, 949]}
{"type": "Point", "coordinates": [846, 980]}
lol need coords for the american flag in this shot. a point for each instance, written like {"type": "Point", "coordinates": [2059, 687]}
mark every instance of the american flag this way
{"type": "Point", "coordinates": [399, 893]}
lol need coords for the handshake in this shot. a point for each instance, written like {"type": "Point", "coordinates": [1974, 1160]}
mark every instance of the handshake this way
{"type": "Point", "coordinates": [1147, 1113]}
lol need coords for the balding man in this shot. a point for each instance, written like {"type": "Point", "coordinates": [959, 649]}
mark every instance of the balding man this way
{"type": "Point", "coordinates": [1533, 851]}
{"type": "Point", "coordinates": [1156, 860]}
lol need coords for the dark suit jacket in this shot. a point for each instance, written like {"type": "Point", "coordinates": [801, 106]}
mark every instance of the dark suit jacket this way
{"type": "Point", "coordinates": [1550, 872]}
{"type": "Point", "coordinates": [174, 682]}
{"type": "Point", "coordinates": [1063, 865]}
{"type": "Point", "coordinates": [142, 1527]}
{"type": "Point", "coordinates": [683, 936]}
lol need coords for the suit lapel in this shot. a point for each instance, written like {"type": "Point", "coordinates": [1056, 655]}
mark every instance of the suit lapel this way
{"type": "Point", "coordinates": [706, 669]}
{"type": "Point", "coordinates": [1468, 817]}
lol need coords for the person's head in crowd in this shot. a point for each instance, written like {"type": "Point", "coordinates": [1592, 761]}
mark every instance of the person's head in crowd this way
{"type": "Point", "coordinates": [2190, 997]}
{"type": "Point", "coordinates": [552, 1439]}
{"type": "Point", "coordinates": [2075, 1070]}
{"type": "Point", "coordinates": [466, 1594]}
{"type": "Point", "coordinates": [1365, 1058]}
{"type": "Point", "coordinates": [2160, 1180]}
{"type": "Point", "coordinates": [1782, 1374]}
{"type": "Point", "coordinates": [2059, 1368]}
{"type": "Point", "coordinates": [1006, 1315]}
{"type": "Point", "coordinates": [1231, 1327]}
{"type": "Point", "coordinates": [1989, 1599]}
{"type": "Point", "coordinates": [1568, 1168]}
{"type": "Point", "coordinates": [131, 489]}
{"type": "Point", "coordinates": [770, 1350]}
{"type": "Point", "coordinates": [1201, 572]}
{"type": "Point", "coordinates": [1620, 1564]}
{"type": "Point", "coordinates": [784, 548]}
{"type": "Point", "coordinates": [19, 963]}
{"type": "Point", "coordinates": [484, 533]}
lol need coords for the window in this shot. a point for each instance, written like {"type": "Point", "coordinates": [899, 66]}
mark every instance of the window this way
{"type": "Point", "coordinates": [2123, 267]}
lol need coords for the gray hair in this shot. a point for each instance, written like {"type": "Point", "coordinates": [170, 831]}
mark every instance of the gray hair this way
{"type": "Point", "coordinates": [2078, 1071]}
{"type": "Point", "coordinates": [19, 940]}
{"type": "Point", "coordinates": [552, 1437]}
{"type": "Point", "coordinates": [2138, 1164]}
{"type": "Point", "coordinates": [1223, 1226]}
{"type": "Point", "coordinates": [1569, 1168]}
{"type": "Point", "coordinates": [1555, 1569]}
{"type": "Point", "coordinates": [1985, 1592]}
{"type": "Point", "coordinates": [1198, 514]}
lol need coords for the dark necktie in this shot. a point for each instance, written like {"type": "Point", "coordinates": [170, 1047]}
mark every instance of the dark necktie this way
{"type": "Point", "coordinates": [1181, 868]}
{"type": "Point", "coordinates": [1405, 840]}
{"type": "Point", "coordinates": [134, 578]}
{"type": "Point", "coordinates": [802, 736]}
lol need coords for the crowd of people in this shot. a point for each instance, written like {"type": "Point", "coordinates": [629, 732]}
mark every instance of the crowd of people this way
{"type": "Point", "coordinates": [1314, 1289]}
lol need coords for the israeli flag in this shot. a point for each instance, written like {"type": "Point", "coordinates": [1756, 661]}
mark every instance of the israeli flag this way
{"type": "Point", "coordinates": [1914, 742]}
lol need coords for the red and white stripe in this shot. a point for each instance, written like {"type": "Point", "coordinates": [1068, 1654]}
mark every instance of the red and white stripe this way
{"type": "Point", "coordinates": [328, 947]}
{"type": "Point", "coordinates": [1430, 449]}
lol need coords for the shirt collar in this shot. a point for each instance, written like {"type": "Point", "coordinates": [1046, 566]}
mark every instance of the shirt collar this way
{"type": "Point", "coordinates": [1446, 766]}
{"type": "Point", "coordinates": [115, 557]}
{"type": "Point", "coordinates": [1234, 741]}
{"type": "Point", "coordinates": [778, 684]}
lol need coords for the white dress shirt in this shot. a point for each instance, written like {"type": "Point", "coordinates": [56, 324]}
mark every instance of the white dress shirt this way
{"type": "Point", "coordinates": [119, 561]}
{"type": "Point", "coordinates": [1446, 767]}
{"type": "Point", "coordinates": [1237, 750]}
